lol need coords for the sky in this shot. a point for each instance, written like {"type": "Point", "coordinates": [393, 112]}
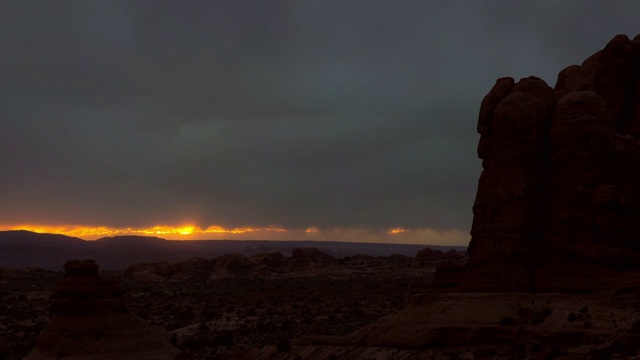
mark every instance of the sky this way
{"type": "Point", "coordinates": [321, 120]}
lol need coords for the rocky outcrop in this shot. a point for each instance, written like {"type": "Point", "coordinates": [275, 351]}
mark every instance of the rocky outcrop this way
{"type": "Point", "coordinates": [81, 292]}
{"type": "Point", "coordinates": [303, 262]}
{"type": "Point", "coordinates": [431, 256]}
{"type": "Point", "coordinates": [89, 320]}
{"type": "Point", "coordinates": [558, 196]}
{"type": "Point", "coordinates": [155, 271]}
{"type": "Point", "coordinates": [310, 257]}
{"type": "Point", "coordinates": [196, 268]}
{"type": "Point", "coordinates": [504, 326]}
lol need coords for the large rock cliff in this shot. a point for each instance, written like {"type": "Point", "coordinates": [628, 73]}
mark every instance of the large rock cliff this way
{"type": "Point", "coordinates": [558, 201]}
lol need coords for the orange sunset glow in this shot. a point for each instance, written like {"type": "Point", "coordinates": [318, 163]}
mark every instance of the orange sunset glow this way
{"type": "Point", "coordinates": [397, 231]}
{"type": "Point", "coordinates": [217, 232]}
{"type": "Point", "coordinates": [184, 232]}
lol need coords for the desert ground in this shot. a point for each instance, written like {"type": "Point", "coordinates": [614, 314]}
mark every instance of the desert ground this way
{"type": "Point", "coordinates": [216, 313]}
{"type": "Point", "coordinates": [313, 306]}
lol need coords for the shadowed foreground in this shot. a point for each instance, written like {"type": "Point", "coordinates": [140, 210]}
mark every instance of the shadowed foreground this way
{"type": "Point", "coordinates": [89, 320]}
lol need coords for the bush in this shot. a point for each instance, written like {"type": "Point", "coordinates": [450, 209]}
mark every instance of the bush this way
{"type": "Point", "coordinates": [635, 327]}
{"type": "Point", "coordinates": [507, 321]}
{"type": "Point", "coordinates": [540, 316]}
{"type": "Point", "coordinates": [283, 345]}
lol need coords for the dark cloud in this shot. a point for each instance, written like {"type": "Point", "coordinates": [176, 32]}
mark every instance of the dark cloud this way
{"type": "Point", "coordinates": [334, 114]}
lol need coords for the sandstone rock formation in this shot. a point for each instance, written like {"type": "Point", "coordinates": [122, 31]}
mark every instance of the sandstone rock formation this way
{"type": "Point", "coordinates": [231, 265]}
{"type": "Point", "coordinates": [89, 320]}
{"type": "Point", "coordinates": [429, 256]}
{"type": "Point", "coordinates": [307, 261]}
{"type": "Point", "coordinates": [155, 271]}
{"type": "Point", "coordinates": [558, 201]}
{"type": "Point", "coordinates": [557, 208]}
{"type": "Point", "coordinates": [310, 257]}
{"type": "Point", "coordinates": [194, 268]}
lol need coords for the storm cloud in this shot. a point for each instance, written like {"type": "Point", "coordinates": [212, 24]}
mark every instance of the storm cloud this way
{"type": "Point", "coordinates": [296, 114]}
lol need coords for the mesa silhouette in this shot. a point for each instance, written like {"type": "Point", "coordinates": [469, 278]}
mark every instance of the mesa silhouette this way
{"type": "Point", "coordinates": [19, 248]}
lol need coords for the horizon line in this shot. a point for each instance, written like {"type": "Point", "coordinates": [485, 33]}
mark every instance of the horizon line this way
{"type": "Point", "coordinates": [396, 235]}
{"type": "Point", "coordinates": [240, 240]}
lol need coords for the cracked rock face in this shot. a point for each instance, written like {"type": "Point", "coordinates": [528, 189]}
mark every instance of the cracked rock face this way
{"type": "Point", "coordinates": [560, 188]}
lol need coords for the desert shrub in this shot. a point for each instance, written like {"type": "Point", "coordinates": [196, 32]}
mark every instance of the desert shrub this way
{"type": "Point", "coordinates": [286, 325]}
{"type": "Point", "coordinates": [185, 315]}
{"type": "Point", "coordinates": [173, 326]}
{"type": "Point", "coordinates": [193, 343]}
{"type": "Point", "coordinates": [453, 354]}
{"type": "Point", "coordinates": [355, 313]}
{"type": "Point", "coordinates": [635, 327]}
{"type": "Point", "coordinates": [540, 316]}
{"type": "Point", "coordinates": [535, 347]}
{"type": "Point", "coordinates": [157, 293]}
{"type": "Point", "coordinates": [519, 350]}
{"type": "Point", "coordinates": [251, 312]}
{"type": "Point", "coordinates": [223, 338]}
{"type": "Point", "coordinates": [507, 321]}
{"type": "Point", "coordinates": [283, 345]}
{"type": "Point", "coordinates": [143, 314]}
{"type": "Point", "coordinates": [203, 327]}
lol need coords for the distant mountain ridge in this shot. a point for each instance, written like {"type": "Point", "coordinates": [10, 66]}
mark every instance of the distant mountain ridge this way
{"type": "Point", "coordinates": [21, 236]}
{"type": "Point", "coordinates": [20, 248]}
{"type": "Point", "coordinates": [131, 238]}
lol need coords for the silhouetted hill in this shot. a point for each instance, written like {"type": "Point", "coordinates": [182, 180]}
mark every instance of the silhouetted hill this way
{"type": "Point", "coordinates": [23, 237]}
{"type": "Point", "coordinates": [131, 239]}
{"type": "Point", "coordinates": [27, 249]}
{"type": "Point", "coordinates": [19, 248]}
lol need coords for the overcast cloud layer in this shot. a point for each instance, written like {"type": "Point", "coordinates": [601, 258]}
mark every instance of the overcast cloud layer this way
{"type": "Point", "coordinates": [332, 114]}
